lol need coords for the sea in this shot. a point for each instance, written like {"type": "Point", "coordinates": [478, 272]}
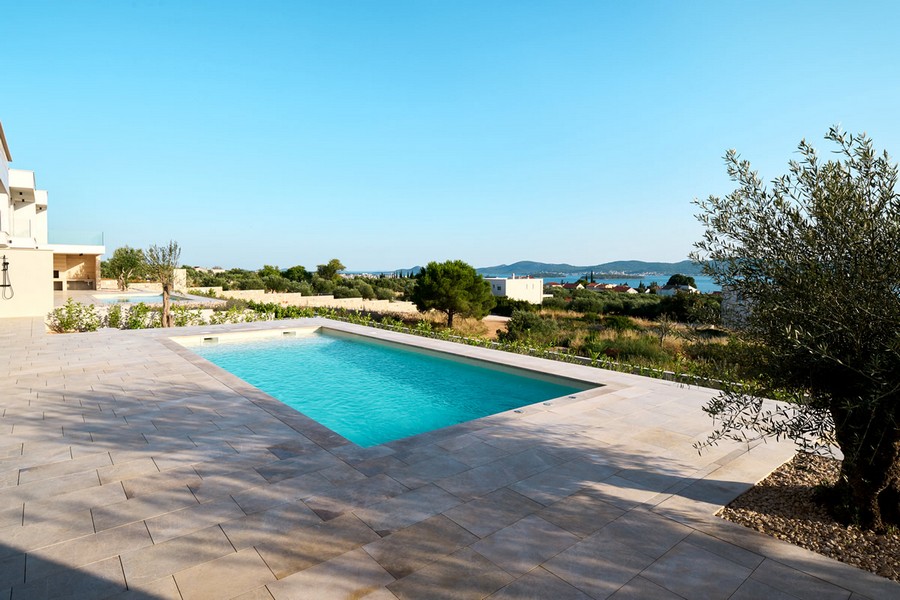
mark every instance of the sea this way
{"type": "Point", "coordinates": [704, 282]}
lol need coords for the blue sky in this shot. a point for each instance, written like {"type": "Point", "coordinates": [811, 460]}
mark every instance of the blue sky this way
{"type": "Point", "coordinates": [389, 133]}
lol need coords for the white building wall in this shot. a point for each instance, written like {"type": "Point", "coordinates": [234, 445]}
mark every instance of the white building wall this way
{"type": "Point", "coordinates": [30, 293]}
{"type": "Point", "coordinates": [529, 290]}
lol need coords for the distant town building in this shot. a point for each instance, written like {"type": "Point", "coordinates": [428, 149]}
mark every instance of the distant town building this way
{"type": "Point", "coordinates": [528, 289]}
{"type": "Point", "coordinates": [671, 290]}
{"type": "Point", "coordinates": [625, 289]}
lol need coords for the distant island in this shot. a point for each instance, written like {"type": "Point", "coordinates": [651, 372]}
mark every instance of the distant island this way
{"type": "Point", "coordinates": [632, 268]}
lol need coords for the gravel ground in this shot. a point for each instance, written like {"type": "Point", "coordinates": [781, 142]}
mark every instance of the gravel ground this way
{"type": "Point", "coordinates": [782, 506]}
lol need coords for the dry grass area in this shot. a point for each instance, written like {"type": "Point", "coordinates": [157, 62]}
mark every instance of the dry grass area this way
{"type": "Point", "coordinates": [782, 506]}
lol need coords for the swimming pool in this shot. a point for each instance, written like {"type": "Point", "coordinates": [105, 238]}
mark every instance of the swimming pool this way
{"type": "Point", "coordinates": [372, 392]}
{"type": "Point", "coordinates": [135, 298]}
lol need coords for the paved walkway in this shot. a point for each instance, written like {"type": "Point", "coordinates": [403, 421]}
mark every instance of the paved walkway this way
{"type": "Point", "coordinates": [131, 468]}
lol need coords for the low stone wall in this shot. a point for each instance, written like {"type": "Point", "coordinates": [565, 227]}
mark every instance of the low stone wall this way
{"type": "Point", "coordinates": [296, 299]}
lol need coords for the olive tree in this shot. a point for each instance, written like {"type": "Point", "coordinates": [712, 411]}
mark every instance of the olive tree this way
{"type": "Point", "coordinates": [814, 260]}
{"type": "Point", "coordinates": [453, 288]}
{"type": "Point", "coordinates": [126, 264]}
{"type": "Point", "coordinates": [161, 264]}
{"type": "Point", "coordinates": [330, 269]}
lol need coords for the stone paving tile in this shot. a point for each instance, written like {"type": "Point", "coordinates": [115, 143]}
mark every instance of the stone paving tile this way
{"type": "Point", "coordinates": [261, 593]}
{"type": "Point", "coordinates": [45, 488]}
{"type": "Point", "coordinates": [345, 498]}
{"type": "Point", "coordinates": [539, 584]}
{"type": "Point", "coordinates": [494, 511]}
{"type": "Point", "coordinates": [215, 487]}
{"type": "Point", "coordinates": [351, 575]}
{"type": "Point", "coordinates": [87, 549]}
{"type": "Point", "coordinates": [274, 525]}
{"type": "Point", "coordinates": [406, 509]}
{"type": "Point", "coordinates": [581, 513]}
{"type": "Point", "coordinates": [143, 507]}
{"type": "Point", "coordinates": [89, 462]}
{"type": "Point", "coordinates": [12, 516]}
{"type": "Point", "coordinates": [295, 466]}
{"type": "Point", "coordinates": [692, 572]}
{"type": "Point", "coordinates": [224, 577]}
{"type": "Point", "coordinates": [177, 460]}
{"type": "Point", "coordinates": [514, 549]}
{"type": "Point", "coordinates": [492, 476]}
{"type": "Point", "coordinates": [96, 580]}
{"type": "Point", "coordinates": [341, 473]}
{"type": "Point", "coordinates": [792, 581]}
{"type": "Point", "coordinates": [259, 498]}
{"type": "Point", "coordinates": [313, 543]}
{"type": "Point", "coordinates": [598, 565]}
{"type": "Point", "coordinates": [30, 537]}
{"type": "Point", "coordinates": [646, 532]}
{"type": "Point", "coordinates": [60, 507]}
{"type": "Point", "coordinates": [427, 471]}
{"type": "Point", "coordinates": [12, 572]}
{"type": "Point", "coordinates": [159, 560]}
{"type": "Point", "coordinates": [155, 482]}
{"type": "Point", "coordinates": [643, 589]}
{"type": "Point", "coordinates": [463, 575]}
{"type": "Point", "coordinates": [127, 470]}
{"type": "Point", "coordinates": [549, 486]}
{"type": "Point", "coordinates": [412, 548]}
{"type": "Point", "coordinates": [192, 518]}
{"type": "Point", "coordinates": [479, 453]}
{"type": "Point", "coordinates": [751, 589]}
{"type": "Point", "coordinates": [735, 554]}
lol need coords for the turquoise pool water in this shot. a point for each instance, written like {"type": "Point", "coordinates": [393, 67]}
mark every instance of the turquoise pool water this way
{"type": "Point", "coordinates": [373, 392]}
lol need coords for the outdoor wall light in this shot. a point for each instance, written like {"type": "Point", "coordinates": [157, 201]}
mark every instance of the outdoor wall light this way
{"type": "Point", "coordinates": [6, 286]}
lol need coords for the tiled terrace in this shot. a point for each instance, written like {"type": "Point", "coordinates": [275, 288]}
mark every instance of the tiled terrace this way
{"type": "Point", "coordinates": [131, 468]}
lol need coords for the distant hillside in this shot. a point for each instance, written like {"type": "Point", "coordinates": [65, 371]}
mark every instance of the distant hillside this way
{"type": "Point", "coordinates": [627, 267]}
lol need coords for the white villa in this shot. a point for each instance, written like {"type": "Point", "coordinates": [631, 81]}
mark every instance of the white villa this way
{"type": "Point", "coordinates": [671, 290]}
{"type": "Point", "coordinates": [32, 266]}
{"type": "Point", "coordinates": [530, 290]}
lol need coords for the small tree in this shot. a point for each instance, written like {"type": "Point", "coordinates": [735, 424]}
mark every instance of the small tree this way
{"type": "Point", "coordinates": [453, 288]}
{"type": "Point", "coordinates": [679, 279]}
{"type": "Point", "coordinates": [330, 270]}
{"type": "Point", "coordinates": [126, 264]}
{"type": "Point", "coordinates": [161, 264]}
{"type": "Point", "coordinates": [815, 261]}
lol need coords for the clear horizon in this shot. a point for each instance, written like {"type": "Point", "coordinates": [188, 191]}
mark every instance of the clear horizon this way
{"type": "Point", "coordinates": [400, 132]}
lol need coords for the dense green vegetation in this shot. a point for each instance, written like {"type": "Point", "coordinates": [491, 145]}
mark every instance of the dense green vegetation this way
{"type": "Point", "coordinates": [325, 280]}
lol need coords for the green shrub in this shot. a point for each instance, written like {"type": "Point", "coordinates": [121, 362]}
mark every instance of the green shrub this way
{"type": "Point", "coordinates": [619, 323]}
{"type": "Point", "coordinates": [526, 326]}
{"type": "Point", "coordinates": [345, 292]}
{"type": "Point", "coordinates": [114, 316]}
{"type": "Point", "coordinates": [555, 303]}
{"type": "Point", "coordinates": [182, 316]}
{"type": "Point", "coordinates": [506, 306]}
{"type": "Point", "coordinates": [74, 316]}
{"type": "Point", "coordinates": [644, 349]}
{"type": "Point", "coordinates": [141, 316]}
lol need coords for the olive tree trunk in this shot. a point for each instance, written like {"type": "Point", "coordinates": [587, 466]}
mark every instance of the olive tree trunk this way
{"type": "Point", "coordinates": [869, 487]}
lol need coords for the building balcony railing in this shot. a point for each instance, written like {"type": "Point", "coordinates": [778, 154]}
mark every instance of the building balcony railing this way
{"type": "Point", "coordinates": [76, 238]}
